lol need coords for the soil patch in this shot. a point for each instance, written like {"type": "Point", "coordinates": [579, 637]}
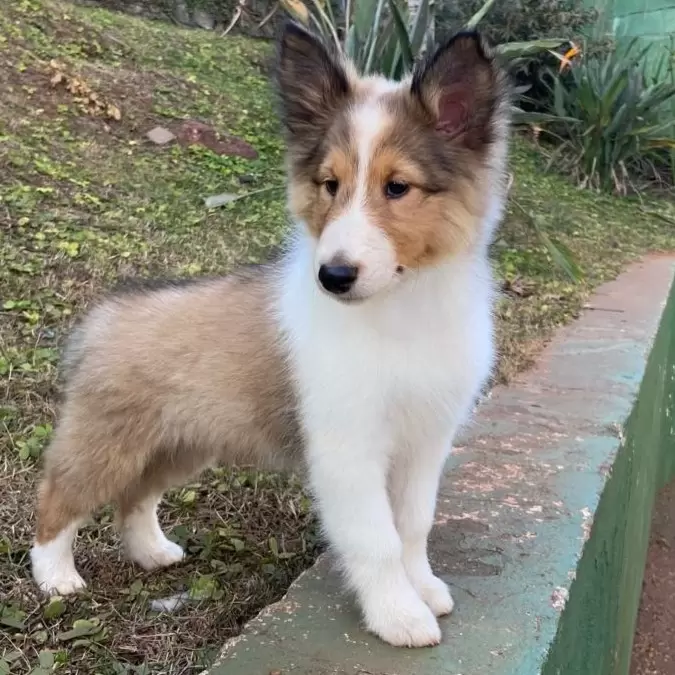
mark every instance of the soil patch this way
{"type": "Point", "coordinates": [654, 646]}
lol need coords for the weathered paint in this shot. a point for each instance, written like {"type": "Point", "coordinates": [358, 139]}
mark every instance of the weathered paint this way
{"type": "Point", "coordinates": [542, 517]}
{"type": "Point", "coordinates": [596, 632]}
{"type": "Point", "coordinates": [650, 23]}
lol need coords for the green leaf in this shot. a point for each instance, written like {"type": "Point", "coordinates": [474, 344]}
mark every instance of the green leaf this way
{"type": "Point", "coordinates": [238, 544]}
{"type": "Point", "coordinates": [362, 15]}
{"type": "Point", "coordinates": [40, 637]}
{"type": "Point", "coordinates": [351, 47]}
{"type": "Point", "coordinates": [46, 658]}
{"type": "Point", "coordinates": [54, 608]}
{"type": "Point", "coordinates": [562, 256]}
{"type": "Point", "coordinates": [203, 587]}
{"type": "Point", "coordinates": [81, 642]}
{"type": "Point", "coordinates": [420, 26]}
{"type": "Point", "coordinates": [188, 497]}
{"type": "Point", "coordinates": [42, 431]}
{"type": "Point", "coordinates": [5, 668]}
{"type": "Point", "coordinates": [12, 615]}
{"type": "Point", "coordinates": [12, 622]}
{"type": "Point", "coordinates": [135, 588]}
{"type": "Point", "coordinates": [274, 546]}
{"type": "Point", "coordinates": [512, 50]}
{"type": "Point", "coordinates": [403, 39]}
{"type": "Point", "coordinates": [373, 37]}
{"type": "Point", "coordinates": [81, 628]}
{"type": "Point", "coordinates": [520, 116]}
{"type": "Point", "coordinates": [661, 143]}
{"type": "Point", "coordinates": [480, 14]}
{"type": "Point", "coordinates": [324, 22]}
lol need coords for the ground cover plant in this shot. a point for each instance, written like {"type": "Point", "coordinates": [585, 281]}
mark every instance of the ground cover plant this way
{"type": "Point", "coordinates": [85, 199]}
{"type": "Point", "coordinates": [615, 131]}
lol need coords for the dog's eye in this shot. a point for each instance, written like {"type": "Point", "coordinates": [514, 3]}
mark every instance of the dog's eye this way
{"type": "Point", "coordinates": [395, 189]}
{"type": "Point", "coordinates": [331, 186]}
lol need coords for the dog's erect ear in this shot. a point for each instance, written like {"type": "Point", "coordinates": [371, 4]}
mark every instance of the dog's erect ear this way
{"type": "Point", "coordinates": [460, 87]}
{"type": "Point", "coordinates": [311, 81]}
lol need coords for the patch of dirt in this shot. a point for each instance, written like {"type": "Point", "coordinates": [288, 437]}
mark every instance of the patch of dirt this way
{"type": "Point", "coordinates": [114, 100]}
{"type": "Point", "coordinates": [193, 132]}
{"type": "Point", "coordinates": [84, 202]}
{"type": "Point", "coordinates": [654, 646]}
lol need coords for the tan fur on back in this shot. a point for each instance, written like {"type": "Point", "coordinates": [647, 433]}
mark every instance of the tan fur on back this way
{"type": "Point", "coordinates": [163, 383]}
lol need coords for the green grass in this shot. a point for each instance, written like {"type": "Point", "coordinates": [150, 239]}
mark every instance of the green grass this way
{"type": "Point", "coordinates": [85, 199]}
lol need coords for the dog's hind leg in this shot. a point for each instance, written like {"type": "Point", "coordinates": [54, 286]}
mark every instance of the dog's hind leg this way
{"type": "Point", "coordinates": [144, 541]}
{"type": "Point", "coordinates": [142, 537]}
{"type": "Point", "coordinates": [59, 514]}
{"type": "Point", "coordinates": [85, 469]}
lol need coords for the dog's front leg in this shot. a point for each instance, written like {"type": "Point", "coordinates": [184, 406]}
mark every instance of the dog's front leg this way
{"type": "Point", "coordinates": [348, 476]}
{"type": "Point", "coordinates": [414, 486]}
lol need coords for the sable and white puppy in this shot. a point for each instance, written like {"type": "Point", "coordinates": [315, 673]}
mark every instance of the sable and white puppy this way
{"type": "Point", "coordinates": [360, 351]}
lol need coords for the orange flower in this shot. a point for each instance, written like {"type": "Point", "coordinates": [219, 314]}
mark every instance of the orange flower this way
{"type": "Point", "coordinates": [566, 58]}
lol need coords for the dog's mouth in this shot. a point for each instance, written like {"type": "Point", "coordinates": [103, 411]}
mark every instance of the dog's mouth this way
{"type": "Point", "coordinates": [343, 284]}
{"type": "Point", "coordinates": [349, 298]}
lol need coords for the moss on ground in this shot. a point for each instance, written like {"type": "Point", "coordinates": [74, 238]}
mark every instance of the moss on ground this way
{"type": "Point", "coordinates": [86, 199]}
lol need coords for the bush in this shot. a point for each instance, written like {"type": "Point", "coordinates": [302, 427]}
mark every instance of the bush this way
{"type": "Point", "coordinates": [519, 20]}
{"type": "Point", "coordinates": [380, 36]}
{"type": "Point", "coordinates": [611, 120]}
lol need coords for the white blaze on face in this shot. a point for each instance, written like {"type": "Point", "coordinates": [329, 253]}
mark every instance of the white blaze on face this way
{"type": "Point", "coordinates": [353, 238]}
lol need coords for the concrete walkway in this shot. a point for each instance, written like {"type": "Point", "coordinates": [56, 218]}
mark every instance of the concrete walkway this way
{"type": "Point", "coordinates": [545, 488]}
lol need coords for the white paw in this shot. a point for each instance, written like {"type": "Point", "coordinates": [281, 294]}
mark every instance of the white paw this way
{"type": "Point", "coordinates": [153, 554]}
{"type": "Point", "coordinates": [54, 577]}
{"type": "Point", "coordinates": [436, 595]}
{"type": "Point", "coordinates": [404, 624]}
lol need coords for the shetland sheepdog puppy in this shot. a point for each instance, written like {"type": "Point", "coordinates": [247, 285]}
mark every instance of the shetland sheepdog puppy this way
{"type": "Point", "coordinates": [359, 352]}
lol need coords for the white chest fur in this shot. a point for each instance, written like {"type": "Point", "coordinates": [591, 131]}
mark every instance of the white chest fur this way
{"type": "Point", "coordinates": [382, 389]}
{"type": "Point", "coordinates": [413, 360]}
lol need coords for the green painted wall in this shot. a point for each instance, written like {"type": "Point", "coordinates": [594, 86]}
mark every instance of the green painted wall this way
{"type": "Point", "coordinates": [595, 635]}
{"type": "Point", "coordinates": [652, 19]}
{"type": "Point", "coordinates": [651, 22]}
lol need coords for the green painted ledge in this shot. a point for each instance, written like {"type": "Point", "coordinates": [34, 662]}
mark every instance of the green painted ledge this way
{"type": "Point", "coordinates": [595, 635]}
{"type": "Point", "coordinates": [543, 515]}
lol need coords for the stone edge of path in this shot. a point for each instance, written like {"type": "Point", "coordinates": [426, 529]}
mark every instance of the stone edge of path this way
{"type": "Point", "coordinates": [543, 515]}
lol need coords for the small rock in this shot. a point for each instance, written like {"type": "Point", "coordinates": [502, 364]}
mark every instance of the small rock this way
{"type": "Point", "coordinates": [246, 179]}
{"type": "Point", "coordinates": [203, 19]}
{"type": "Point", "coordinates": [219, 200]}
{"type": "Point", "coordinates": [181, 13]}
{"type": "Point", "coordinates": [160, 136]}
{"type": "Point", "coordinates": [170, 604]}
{"type": "Point", "coordinates": [193, 132]}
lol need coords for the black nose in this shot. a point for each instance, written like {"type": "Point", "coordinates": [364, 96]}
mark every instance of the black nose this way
{"type": "Point", "coordinates": [337, 279]}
